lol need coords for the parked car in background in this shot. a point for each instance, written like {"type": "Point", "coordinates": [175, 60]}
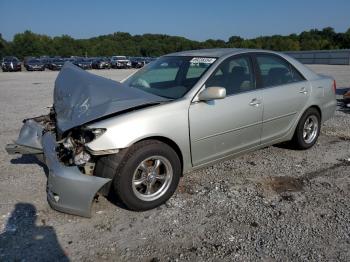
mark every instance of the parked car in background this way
{"type": "Point", "coordinates": [35, 64]}
{"type": "Point", "coordinates": [55, 64]}
{"type": "Point", "coordinates": [101, 63]}
{"type": "Point", "coordinates": [150, 59]}
{"type": "Point", "coordinates": [26, 59]}
{"type": "Point", "coordinates": [45, 60]}
{"type": "Point", "coordinates": [182, 112]}
{"type": "Point", "coordinates": [10, 64]}
{"type": "Point", "coordinates": [70, 59]}
{"type": "Point", "coordinates": [137, 62]}
{"type": "Point", "coordinates": [346, 98]}
{"type": "Point", "coordinates": [120, 62]}
{"type": "Point", "coordinates": [83, 63]}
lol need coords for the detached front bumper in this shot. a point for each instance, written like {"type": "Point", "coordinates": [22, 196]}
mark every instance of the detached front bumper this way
{"type": "Point", "coordinates": [68, 189]}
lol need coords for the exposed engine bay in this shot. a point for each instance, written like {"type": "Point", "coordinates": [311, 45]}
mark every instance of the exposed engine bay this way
{"type": "Point", "coordinates": [70, 149]}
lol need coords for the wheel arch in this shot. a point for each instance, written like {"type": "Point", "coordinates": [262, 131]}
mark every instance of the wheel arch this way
{"type": "Point", "coordinates": [170, 143]}
{"type": "Point", "coordinates": [317, 108]}
{"type": "Point", "coordinates": [301, 115]}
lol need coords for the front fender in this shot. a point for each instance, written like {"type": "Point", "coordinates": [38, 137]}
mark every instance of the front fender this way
{"type": "Point", "coordinates": [169, 121]}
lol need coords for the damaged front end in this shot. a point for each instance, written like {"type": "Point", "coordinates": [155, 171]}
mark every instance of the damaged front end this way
{"type": "Point", "coordinates": [71, 185]}
{"type": "Point", "coordinates": [59, 138]}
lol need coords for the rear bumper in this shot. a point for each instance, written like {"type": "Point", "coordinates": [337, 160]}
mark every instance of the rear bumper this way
{"type": "Point", "coordinates": [68, 189]}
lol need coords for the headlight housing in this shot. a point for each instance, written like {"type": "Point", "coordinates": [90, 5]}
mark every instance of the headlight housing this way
{"type": "Point", "coordinates": [90, 134]}
{"type": "Point", "coordinates": [97, 132]}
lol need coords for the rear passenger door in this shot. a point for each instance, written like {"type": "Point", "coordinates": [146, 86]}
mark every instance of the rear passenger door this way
{"type": "Point", "coordinates": [285, 93]}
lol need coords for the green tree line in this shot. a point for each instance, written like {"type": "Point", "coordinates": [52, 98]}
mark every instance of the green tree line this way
{"type": "Point", "coordinates": [120, 43]}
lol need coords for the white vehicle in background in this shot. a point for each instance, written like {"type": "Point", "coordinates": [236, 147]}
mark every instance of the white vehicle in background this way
{"type": "Point", "coordinates": [120, 62]}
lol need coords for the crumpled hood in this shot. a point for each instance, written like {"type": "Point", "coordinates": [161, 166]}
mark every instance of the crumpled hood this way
{"type": "Point", "coordinates": [81, 97]}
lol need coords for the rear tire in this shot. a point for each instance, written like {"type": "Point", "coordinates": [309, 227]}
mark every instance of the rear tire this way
{"type": "Point", "coordinates": [307, 130]}
{"type": "Point", "coordinates": [145, 176]}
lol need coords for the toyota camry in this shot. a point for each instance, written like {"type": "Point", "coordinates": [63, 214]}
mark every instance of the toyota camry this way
{"type": "Point", "coordinates": [181, 112]}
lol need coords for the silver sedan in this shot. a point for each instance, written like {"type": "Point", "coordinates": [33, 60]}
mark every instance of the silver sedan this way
{"type": "Point", "coordinates": [135, 139]}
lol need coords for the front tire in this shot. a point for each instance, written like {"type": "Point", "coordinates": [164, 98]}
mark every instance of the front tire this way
{"type": "Point", "coordinates": [146, 176]}
{"type": "Point", "coordinates": [307, 130]}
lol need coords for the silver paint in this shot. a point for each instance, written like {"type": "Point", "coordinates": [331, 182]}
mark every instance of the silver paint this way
{"type": "Point", "coordinates": [205, 131]}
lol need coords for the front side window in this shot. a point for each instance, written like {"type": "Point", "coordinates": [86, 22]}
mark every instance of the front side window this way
{"type": "Point", "coordinates": [170, 76]}
{"type": "Point", "coordinates": [275, 71]}
{"type": "Point", "coordinates": [234, 74]}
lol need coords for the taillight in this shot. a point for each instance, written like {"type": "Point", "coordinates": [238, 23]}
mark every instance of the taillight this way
{"type": "Point", "coordinates": [334, 86]}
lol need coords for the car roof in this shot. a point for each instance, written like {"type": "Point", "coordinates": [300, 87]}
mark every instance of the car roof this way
{"type": "Point", "coordinates": [226, 52]}
{"type": "Point", "coordinates": [217, 52]}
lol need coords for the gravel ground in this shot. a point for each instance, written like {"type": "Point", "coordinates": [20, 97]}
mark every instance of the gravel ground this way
{"type": "Point", "coordinates": [273, 204]}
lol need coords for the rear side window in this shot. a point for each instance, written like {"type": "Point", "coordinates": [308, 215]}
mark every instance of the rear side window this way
{"type": "Point", "coordinates": [275, 71]}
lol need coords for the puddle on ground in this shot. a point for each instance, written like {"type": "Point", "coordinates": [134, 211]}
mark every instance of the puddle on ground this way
{"type": "Point", "coordinates": [281, 184]}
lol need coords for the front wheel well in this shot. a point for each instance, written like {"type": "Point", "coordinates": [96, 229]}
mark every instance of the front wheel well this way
{"type": "Point", "coordinates": [170, 143]}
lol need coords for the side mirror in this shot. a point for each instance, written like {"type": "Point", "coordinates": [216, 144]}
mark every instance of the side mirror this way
{"type": "Point", "coordinates": [212, 93]}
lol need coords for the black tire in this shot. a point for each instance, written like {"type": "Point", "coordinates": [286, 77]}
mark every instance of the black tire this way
{"type": "Point", "coordinates": [298, 141]}
{"type": "Point", "coordinates": [123, 165]}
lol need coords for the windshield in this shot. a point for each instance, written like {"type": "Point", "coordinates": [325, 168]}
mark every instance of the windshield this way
{"type": "Point", "coordinates": [170, 76]}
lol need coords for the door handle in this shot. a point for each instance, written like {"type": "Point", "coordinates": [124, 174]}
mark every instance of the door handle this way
{"type": "Point", "coordinates": [255, 102]}
{"type": "Point", "coordinates": [303, 91]}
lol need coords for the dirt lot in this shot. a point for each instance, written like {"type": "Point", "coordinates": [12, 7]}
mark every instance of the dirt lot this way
{"type": "Point", "coordinates": [273, 204]}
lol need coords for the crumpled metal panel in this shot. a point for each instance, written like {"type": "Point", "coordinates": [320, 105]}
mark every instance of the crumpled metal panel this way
{"type": "Point", "coordinates": [30, 134]}
{"type": "Point", "coordinates": [81, 97]}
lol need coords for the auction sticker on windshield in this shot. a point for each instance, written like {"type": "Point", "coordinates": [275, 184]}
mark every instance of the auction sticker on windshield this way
{"type": "Point", "coordinates": [202, 60]}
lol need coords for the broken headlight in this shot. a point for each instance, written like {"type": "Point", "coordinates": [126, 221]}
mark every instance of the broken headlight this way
{"type": "Point", "coordinates": [72, 150]}
{"type": "Point", "coordinates": [98, 132]}
{"type": "Point", "coordinates": [87, 135]}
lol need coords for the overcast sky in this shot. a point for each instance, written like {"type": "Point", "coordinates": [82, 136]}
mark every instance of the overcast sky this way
{"type": "Point", "coordinates": [194, 19]}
